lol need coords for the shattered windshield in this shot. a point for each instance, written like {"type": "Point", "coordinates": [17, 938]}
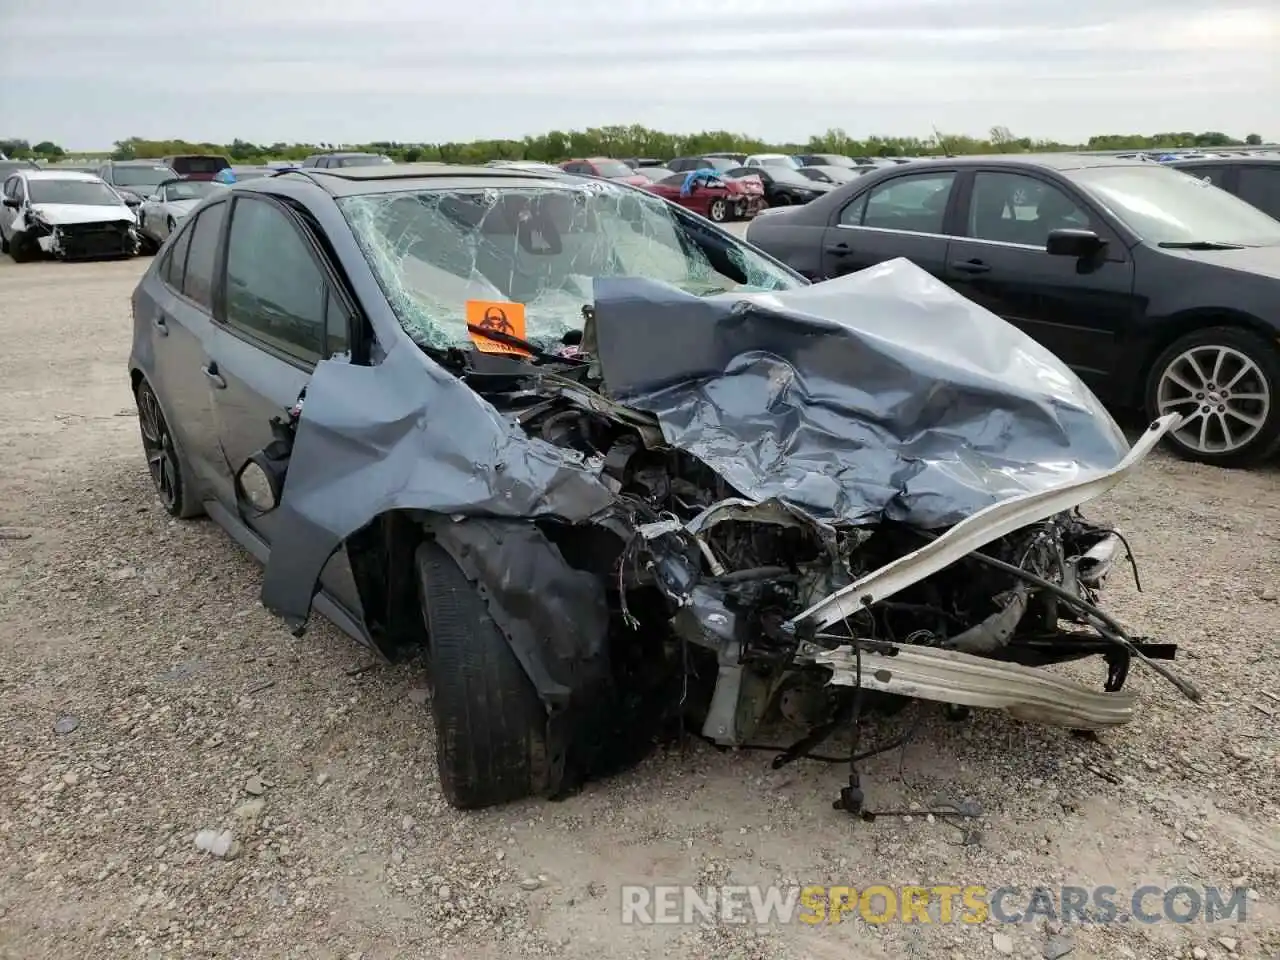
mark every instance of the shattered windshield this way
{"type": "Point", "coordinates": [93, 193]}
{"type": "Point", "coordinates": [540, 245]}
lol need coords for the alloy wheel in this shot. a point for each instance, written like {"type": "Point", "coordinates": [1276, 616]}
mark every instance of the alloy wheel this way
{"type": "Point", "coordinates": [717, 210]}
{"type": "Point", "coordinates": [157, 444]}
{"type": "Point", "coordinates": [1221, 392]}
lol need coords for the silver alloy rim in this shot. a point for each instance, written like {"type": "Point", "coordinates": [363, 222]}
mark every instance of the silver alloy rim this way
{"type": "Point", "coordinates": [717, 210]}
{"type": "Point", "coordinates": [1221, 392]}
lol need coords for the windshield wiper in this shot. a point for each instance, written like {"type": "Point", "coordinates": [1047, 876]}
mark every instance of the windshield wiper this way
{"type": "Point", "coordinates": [1199, 245]}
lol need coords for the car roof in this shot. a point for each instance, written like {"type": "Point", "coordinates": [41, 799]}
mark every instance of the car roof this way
{"type": "Point", "coordinates": [390, 178]}
{"type": "Point", "coordinates": [61, 175]}
{"type": "Point", "coordinates": [1047, 161]}
{"type": "Point", "coordinates": [154, 162]}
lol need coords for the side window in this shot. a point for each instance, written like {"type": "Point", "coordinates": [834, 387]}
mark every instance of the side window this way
{"type": "Point", "coordinates": [915, 203]}
{"type": "Point", "coordinates": [851, 215]}
{"type": "Point", "coordinates": [275, 289]}
{"type": "Point", "coordinates": [197, 282]}
{"type": "Point", "coordinates": [337, 323]}
{"type": "Point", "coordinates": [10, 187]}
{"type": "Point", "coordinates": [1013, 208]}
{"type": "Point", "coordinates": [20, 189]}
{"type": "Point", "coordinates": [1261, 187]}
{"type": "Point", "coordinates": [1214, 175]}
{"type": "Point", "coordinates": [175, 266]}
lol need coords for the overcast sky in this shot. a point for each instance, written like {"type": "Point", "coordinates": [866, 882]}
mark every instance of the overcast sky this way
{"type": "Point", "coordinates": [84, 74]}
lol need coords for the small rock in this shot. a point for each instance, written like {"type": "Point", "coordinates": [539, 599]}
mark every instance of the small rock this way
{"type": "Point", "coordinates": [530, 883]}
{"type": "Point", "coordinates": [254, 786]}
{"type": "Point", "coordinates": [444, 893]}
{"type": "Point", "coordinates": [216, 843]}
{"type": "Point", "coordinates": [407, 823]}
{"type": "Point", "coordinates": [70, 778]}
{"type": "Point", "coordinates": [1230, 943]}
{"type": "Point", "coordinates": [1200, 953]}
{"type": "Point", "coordinates": [1059, 945]}
{"type": "Point", "coordinates": [250, 810]}
{"type": "Point", "coordinates": [1150, 764]}
{"type": "Point", "coordinates": [124, 573]}
{"type": "Point", "coordinates": [322, 779]}
{"type": "Point", "coordinates": [418, 696]}
{"type": "Point", "coordinates": [66, 724]}
{"type": "Point", "coordinates": [1267, 594]}
{"type": "Point", "coordinates": [501, 855]}
{"type": "Point", "coordinates": [1191, 835]}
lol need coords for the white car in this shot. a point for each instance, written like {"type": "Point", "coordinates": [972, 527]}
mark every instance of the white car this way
{"type": "Point", "coordinates": [67, 214]}
{"type": "Point", "coordinates": [772, 160]}
{"type": "Point", "coordinates": [168, 205]}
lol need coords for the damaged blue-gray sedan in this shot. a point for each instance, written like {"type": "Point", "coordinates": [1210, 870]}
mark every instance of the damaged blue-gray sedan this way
{"type": "Point", "coordinates": [609, 468]}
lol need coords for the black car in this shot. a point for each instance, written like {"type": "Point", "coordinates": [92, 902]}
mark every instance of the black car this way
{"type": "Point", "coordinates": [576, 445]}
{"type": "Point", "coordinates": [135, 180]}
{"type": "Point", "coordinates": [1160, 291]}
{"type": "Point", "coordinates": [1255, 180]}
{"type": "Point", "coordinates": [783, 187]}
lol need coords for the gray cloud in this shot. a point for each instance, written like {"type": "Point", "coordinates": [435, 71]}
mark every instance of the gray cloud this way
{"type": "Point", "coordinates": [334, 71]}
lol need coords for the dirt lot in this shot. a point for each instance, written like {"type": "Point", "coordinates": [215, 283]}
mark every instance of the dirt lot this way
{"type": "Point", "coordinates": [190, 699]}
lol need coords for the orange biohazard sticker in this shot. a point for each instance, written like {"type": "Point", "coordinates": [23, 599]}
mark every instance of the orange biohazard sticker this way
{"type": "Point", "coordinates": [500, 317]}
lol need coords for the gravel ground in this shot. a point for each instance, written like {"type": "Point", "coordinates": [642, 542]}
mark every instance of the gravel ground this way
{"type": "Point", "coordinates": [195, 710]}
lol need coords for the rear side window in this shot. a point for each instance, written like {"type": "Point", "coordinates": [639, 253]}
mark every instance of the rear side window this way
{"type": "Point", "coordinates": [914, 203]}
{"type": "Point", "coordinates": [1261, 187]}
{"type": "Point", "coordinates": [276, 291]}
{"type": "Point", "coordinates": [197, 283]}
{"type": "Point", "coordinates": [175, 264]}
{"type": "Point", "coordinates": [1214, 175]}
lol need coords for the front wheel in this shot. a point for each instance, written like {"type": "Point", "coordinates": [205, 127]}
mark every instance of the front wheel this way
{"type": "Point", "coordinates": [491, 728]}
{"type": "Point", "coordinates": [1224, 382]}
{"type": "Point", "coordinates": [22, 248]}
{"type": "Point", "coordinates": [718, 210]}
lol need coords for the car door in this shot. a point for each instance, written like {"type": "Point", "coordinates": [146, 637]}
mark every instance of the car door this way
{"type": "Point", "coordinates": [904, 216]}
{"type": "Point", "coordinates": [1259, 184]}
{"type": "Point", "coordinates": [1075, 309]}
{"type": "Point", "coordinates": [278, 316]}
{"type": "Point", "coordinates": [150, 214]}
{"type": "Point", "coordinates": [7, 214]}
{"type": "Point", "coordinates": [181, 327]}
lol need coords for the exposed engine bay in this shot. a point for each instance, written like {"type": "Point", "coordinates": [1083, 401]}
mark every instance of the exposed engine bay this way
{"type": "Point", "coordinates": [740, 580]}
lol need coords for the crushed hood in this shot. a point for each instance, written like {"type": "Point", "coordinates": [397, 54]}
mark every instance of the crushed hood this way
{"type": "Point", "coordinates": [883, 394]}
{"type": "Point", "coordinates": [58, 214]}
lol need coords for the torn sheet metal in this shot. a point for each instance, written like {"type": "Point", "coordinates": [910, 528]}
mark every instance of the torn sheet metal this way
{"type": "Point", "coordinates": [880, 395]}
{"type": "Point", "coordinates": [405, 434]}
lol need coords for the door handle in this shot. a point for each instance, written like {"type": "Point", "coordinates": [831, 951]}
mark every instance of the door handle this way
{"type": "Point", "coordinates": [970, 266]}
{"type": "Point", "coordinates": [211, 371]}
{"type": "Point", "coordinates": [159, 323]}
{"type": "Point", "coordinates": [839, 249]}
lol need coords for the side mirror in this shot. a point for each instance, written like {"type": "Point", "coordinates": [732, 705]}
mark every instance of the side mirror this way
{"type": "Point", "coordinates": [13, 202]}
{"type": "Point", "coordinates": [1074, 242]}
{"type": "Point", "coordinates": [260, 482]}
{"type": "Point", "coordinates": [132, 201]}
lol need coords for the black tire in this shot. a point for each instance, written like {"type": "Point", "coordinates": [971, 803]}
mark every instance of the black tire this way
{"type": "Point", "coordinates": [4, 244]}
{"type": "Point", "coordinates": [491, 728]}
{"type": "Point", "coordinates": [172, 225]}
{"type": "Point", "coordinates": [22, 248]}
{"type": "Point", "coordinates": [781, 200]}
{"type": "Point", "coordinates": [1239, 345]}
{"type": "Point", "coordinates": [164, 461]}
{"type": "Point", "coordinates": [718, 210]}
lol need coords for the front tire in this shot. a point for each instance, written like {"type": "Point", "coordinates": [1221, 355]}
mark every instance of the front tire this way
{"type": "Point", "coordinates": [718, 210]}
{"type": "Point", "coordinates": [491, 728]}
{"type": "Point", "coordinates": [22, 248]}
{"type": "Point", "coordinates": [1226, 382]}
{"type": "Point", "coordinates": [164, 463]}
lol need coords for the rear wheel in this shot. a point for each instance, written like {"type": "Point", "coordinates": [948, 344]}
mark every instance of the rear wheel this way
{"type": "Point", "coordinates": [1224, 382]}
{"type": "Point", "coordinates": [163, 461]}
{"type": "Point", "coordinates": [491, 728]}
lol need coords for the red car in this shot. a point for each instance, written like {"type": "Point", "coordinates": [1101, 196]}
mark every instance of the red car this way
{"type": "Point", "coordinates": [605, 167]}
{"type": "Point", "coordinates": [716, 199]}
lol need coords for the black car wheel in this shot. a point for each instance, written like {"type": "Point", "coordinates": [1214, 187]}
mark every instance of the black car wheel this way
{"type": "Point", "coordinates": [491, 728]}
{"type": "Point", "coordinates": [1224, 381]}
{"type": "Point", "coordinates": [781, 200]}
{"type": "Point", "coordinates": [22, 248]}
{"type": "Point", "coordinates": [171, 226]}
{"type": "Point", "coordinates": [163, 462]}
{"type": "Point", "coordinates": [718, 210]}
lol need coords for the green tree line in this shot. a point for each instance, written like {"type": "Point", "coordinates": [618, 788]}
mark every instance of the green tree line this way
{"type": "Point", "coordinates": [639, 141]}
